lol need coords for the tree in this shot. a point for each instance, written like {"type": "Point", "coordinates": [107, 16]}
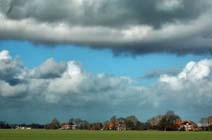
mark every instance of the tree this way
{"type": "Point", "coordinates": [36, 126]}
{"type": "Point", "coordinates": [80, 124]}
{"type": "Point", "coordinates": [204, 123]}
{"type": "Point", "coordinates": [4, 125]}
{"type": "Point", "coordinates": [96, 126]}
{"type": "Point", "coordinates": [130, 125]}
{"type": "Point", "coordinates": [113, 119]}
{"type": "Point", "coordinates": [55, 124]}
{"type": "Point", "coordinates": [210, 123]}
{"type": "Point", "coordinates": [168, 121]}
{"type": "Point", "coordinates": [153, 123]}
{"type": "Point", "coordinates": [131, 122]}
{"type": "Point", "coordinates": [140, 126]}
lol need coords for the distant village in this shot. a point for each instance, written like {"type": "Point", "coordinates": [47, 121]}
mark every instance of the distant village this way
{"type": "Point", "coordinates": [165, 122]}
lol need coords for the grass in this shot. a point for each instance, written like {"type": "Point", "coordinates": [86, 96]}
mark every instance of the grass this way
{"type": "Point", "coordinates": [101, 135]}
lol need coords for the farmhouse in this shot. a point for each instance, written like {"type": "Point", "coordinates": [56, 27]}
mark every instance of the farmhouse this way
{"type": "Point", "coordinates": [119, 125]}
{"type": "Point", "coordinates": [110, 126]}
{"type": "Point", "coordinates": [186, 125]}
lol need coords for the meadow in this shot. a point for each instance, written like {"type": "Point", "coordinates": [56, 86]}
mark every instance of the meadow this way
{"type": "Point", "coordinates": [101, 135]}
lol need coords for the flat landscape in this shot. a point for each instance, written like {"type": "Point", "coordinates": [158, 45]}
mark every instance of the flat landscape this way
{"type": "Point", "coordinates": [101, 135]}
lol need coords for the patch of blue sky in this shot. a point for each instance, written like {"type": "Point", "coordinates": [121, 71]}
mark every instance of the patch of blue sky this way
{"type": "Point", "coordinates": [98, 61]}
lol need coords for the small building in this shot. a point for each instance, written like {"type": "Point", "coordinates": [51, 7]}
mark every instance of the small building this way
{"type": "Point", "coordinates": [73, 127]}
{"type": "Point", "coordinates": [186, 125]}
{"type": "Point", "coordinates": [122, 127]}
{"type": "Point", "coordinates": [65, 126]}
{"type": "Point", "coordinates": [23, 128]}
{"type": "Point", "coordinates": [68, 126]}
{"type": "Point", "coordinates": [119, 125]}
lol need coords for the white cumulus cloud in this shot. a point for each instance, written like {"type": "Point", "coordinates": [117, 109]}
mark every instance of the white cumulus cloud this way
{"type": "Point", "coordinates": [67, 84]}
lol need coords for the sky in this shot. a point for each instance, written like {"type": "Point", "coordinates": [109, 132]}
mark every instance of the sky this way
{"type": "Point", "coordinates": [93, 59]}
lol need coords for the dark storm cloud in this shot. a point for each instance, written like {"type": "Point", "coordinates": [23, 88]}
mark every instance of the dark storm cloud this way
{"type": "Point", "coordinates": [106, 12]}
{"type": "Point", "coordinates": [124, 26]}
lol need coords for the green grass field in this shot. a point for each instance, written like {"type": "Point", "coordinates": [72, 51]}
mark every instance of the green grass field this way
{"type": "Point", "coordinates": [101, 135]}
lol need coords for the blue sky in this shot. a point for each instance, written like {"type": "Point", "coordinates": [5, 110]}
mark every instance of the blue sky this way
{"type": "Point", "coordinates": [97, 61]}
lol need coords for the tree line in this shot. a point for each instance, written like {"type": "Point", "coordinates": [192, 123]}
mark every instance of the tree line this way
{"type": "Point", "coordinates": [165, 122]}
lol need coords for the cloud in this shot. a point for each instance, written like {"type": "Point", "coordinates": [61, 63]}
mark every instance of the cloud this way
{"type": "Point", "coordinates": [138, 27]}
{"type": "Point", "coordinates": [194, 72]}
{"type": "Point", "coordinates": [7, 90]}
{"type": "Point", "coordinates": [169, 5]}
{"type": "Point", "coordinates": [4, 55]}
{"type": "Point", "coordinates": [54, 82]}
{"type": "Point", "coordinates": [67, 87]}
{"type": "Point", "coordinates": [49, 69]}
{"type": "Point", "coordinates": [98, 12]}
{"type": "Point", "coordinates": [192, 85]}
{"type": "Point", "coordinates": [158, 72]}
{"type": "Point", "coordinates": [11, 71]}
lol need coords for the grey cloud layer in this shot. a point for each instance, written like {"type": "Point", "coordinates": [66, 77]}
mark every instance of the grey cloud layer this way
{"type": "Point", "coordinates": [139, 26]}
{"type": "Point", "coordinates": [66, 85]}
{"type": "Point", "coordinates": [106, 12]}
